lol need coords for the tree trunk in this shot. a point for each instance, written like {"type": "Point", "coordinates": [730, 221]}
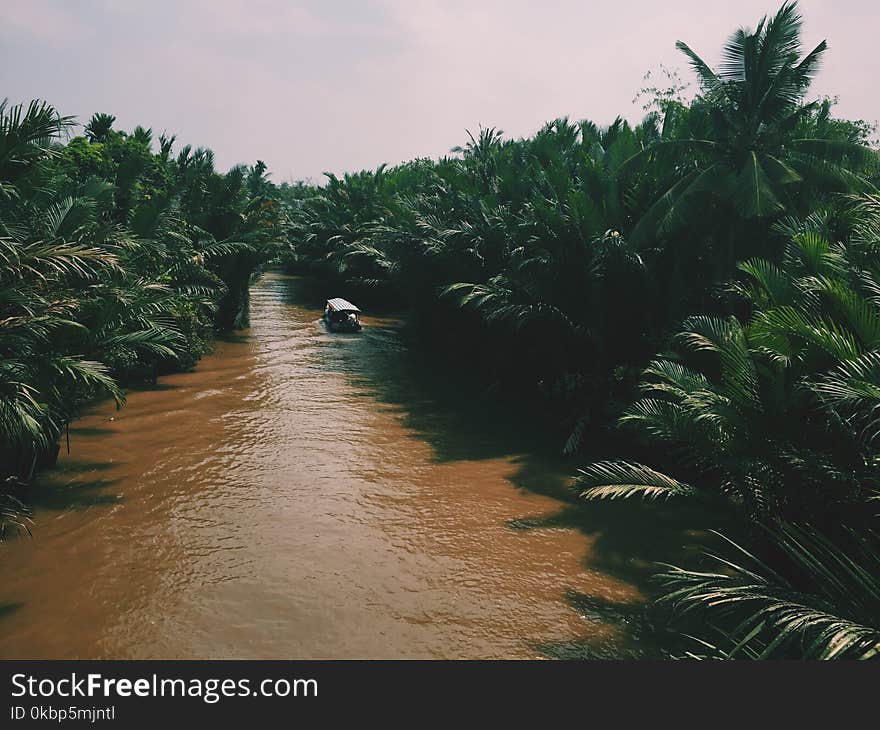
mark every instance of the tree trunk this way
{"type": "Point", "coordinates": [234, 309]}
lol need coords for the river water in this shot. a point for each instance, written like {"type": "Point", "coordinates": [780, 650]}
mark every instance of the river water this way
{"type": "Point", "coordinates": [303, 494]}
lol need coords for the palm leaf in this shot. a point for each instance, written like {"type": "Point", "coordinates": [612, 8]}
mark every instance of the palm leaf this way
{"type": "Point", "coordinates": [620, 479]}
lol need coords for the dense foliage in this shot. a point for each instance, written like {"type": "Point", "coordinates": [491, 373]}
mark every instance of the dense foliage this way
{"type": "Point", "coordinates": [118, 263]}
{"type": "Point", "coordinates": [736, 233]}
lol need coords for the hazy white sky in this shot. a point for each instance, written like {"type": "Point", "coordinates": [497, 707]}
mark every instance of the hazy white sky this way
{"type": "Point", "coordinates": [314, 85]}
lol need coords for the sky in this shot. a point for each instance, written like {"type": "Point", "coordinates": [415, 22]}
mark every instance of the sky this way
{"type": "Point", "coordinates": [342, 85]}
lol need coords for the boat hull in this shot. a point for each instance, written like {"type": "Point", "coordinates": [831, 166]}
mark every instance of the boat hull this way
{"type": "Point", "coordinates": [342, 327]}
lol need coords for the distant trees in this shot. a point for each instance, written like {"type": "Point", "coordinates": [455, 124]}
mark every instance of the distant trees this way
{"type": "Point", "coordinates": [99, 126]}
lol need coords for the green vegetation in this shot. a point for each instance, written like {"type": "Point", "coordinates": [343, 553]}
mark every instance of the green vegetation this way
{"type": "Point", "coordinates": [737, 234]}
{"type": "Point", "coordinates": [118, 264]}
{"type": "Point", "coordinates": [698, 293]}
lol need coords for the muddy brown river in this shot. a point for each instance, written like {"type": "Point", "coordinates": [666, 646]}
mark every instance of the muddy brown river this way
{"type": "Point", "coordinates": [311, 495]}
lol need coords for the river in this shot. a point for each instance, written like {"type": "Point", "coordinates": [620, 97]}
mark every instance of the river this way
{"type": "Point", "coordinates": [311, 495]}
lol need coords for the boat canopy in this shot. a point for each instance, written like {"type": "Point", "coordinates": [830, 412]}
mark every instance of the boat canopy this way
{"type": "Point", "coordinates": [341, 305]}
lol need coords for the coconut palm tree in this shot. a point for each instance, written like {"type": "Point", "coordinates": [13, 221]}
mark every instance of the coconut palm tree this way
{"type": "Point", "coordinates": [740, 144]}
{"type": "Point", "coordinates": [25, 134]}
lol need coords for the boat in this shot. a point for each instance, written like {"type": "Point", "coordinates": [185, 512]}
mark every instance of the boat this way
{"type": "Point", "coordinates": [340, 315]}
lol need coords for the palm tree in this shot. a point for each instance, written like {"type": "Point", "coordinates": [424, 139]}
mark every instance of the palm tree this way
{"type": "Point", "coordinates": [739, 143]}
{"type": "Point", "coordinates": [39, 267]}
{"type": "Point", "coordinates": [777, 415]}
{"type": "Point", "coordinates": [25, 137]}
{"type": "Point", "coordinates": [142, 136]}
{"type": "Point", "coordinates": [38, 312]}
{"type": "Point", "coordinates": [99, 126]}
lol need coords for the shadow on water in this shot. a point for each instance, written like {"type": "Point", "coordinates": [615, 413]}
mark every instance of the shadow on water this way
{"type": "Point", "coordinates": [460, 423]}
{"type": "Point", "coordinates": [234, 338]}
{"type": "Point", "coordinates": [87, 467]}
{"type": "Point", "coordinates": [306, 292]}
{"type": "Point", "coordinates": [157, 387]}
{"type": "Point", "coordinates": [90, 431]}
{"type": "Point", "coordinates": [629, 537]}
{"type": "Point", "coordinates": [56, 493]}
{"type": "Point", "coordinates": [7, 609]}
{"type": "Point", "coordinates": [646, 635]}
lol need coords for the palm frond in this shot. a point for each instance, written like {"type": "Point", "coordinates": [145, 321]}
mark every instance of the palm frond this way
{"type": "Point", "coordinates": [828, 610]}
{"type": "Point", "coordinates": [621, 479]}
